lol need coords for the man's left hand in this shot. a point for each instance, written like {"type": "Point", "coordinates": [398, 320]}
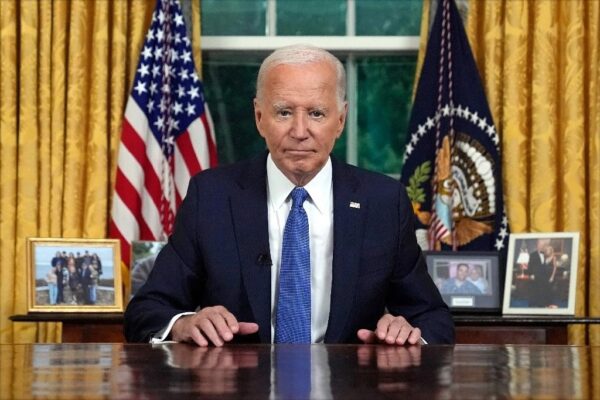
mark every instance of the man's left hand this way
{"type": "Point", "coordinates": [391, 330]}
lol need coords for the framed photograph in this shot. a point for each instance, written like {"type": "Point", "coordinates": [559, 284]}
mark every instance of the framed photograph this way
{"type": "Point", "coordinates": [467, 281]}
{"type": "Point", "coordinates": [541, 273]}
{"type": "Point", "coordinates": [74, 275]}
{"type": "Point", "coordinates": [143, 254]}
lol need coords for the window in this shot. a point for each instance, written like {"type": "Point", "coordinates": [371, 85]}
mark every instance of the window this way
{"type": "Point", "coordinates": [377, 40]}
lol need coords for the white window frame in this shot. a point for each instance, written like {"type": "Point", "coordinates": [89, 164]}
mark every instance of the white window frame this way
{"type": "Point", "coordinates": [349, 45]}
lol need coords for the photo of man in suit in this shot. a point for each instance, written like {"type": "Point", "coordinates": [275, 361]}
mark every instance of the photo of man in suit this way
{"type": "Point", "coordinates": [353, 272]}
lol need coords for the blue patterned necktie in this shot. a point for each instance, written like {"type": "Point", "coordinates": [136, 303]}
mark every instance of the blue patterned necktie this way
{"type": "Point", "coordinates": [292, 323]}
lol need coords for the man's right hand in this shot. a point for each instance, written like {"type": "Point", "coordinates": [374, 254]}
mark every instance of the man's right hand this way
{"type": "Point", "coordinates": [211, 325]}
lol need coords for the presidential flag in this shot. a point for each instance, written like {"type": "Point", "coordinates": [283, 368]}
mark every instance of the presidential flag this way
{"type": "Point", "coordinates": [452, 168]}
{"type": "Point", "coordinates": [167, 134]}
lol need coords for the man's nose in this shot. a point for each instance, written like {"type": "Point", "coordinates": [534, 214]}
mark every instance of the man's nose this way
{"type": "Point", "coordinates": [300, 126]}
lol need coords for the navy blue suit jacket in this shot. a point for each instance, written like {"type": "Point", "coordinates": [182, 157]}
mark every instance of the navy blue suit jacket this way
{"type": "Point", "coordinates": [218, 255]}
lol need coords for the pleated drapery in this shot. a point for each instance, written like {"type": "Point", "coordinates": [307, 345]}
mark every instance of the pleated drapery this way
{"type": "Point", "coordinates": [66, 72]}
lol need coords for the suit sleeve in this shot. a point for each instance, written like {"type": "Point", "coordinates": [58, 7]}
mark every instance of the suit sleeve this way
{"type": "Point", "coordinates": [175, 284]}
{"type": "Point", "coordinates": [412, 293]}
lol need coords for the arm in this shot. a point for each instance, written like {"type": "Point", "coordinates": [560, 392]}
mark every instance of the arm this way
{"type": "Point", "coordinates": [196, 271]}
{"type": "Point", "coordinates": [412, 298]}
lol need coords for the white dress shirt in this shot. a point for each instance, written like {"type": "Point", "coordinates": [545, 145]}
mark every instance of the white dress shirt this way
{"type": "Point", "coordinates": [319, 209]}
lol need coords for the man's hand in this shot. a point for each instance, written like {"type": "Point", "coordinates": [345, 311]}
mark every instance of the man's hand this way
{"type": "Point", "coordinates": [211, 325]}
{"type": "Point", "coordinates": [391, 330]}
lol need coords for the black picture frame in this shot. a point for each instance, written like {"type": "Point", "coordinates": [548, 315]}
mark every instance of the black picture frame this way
{"type": "Point", "coordinates": [481, 295]}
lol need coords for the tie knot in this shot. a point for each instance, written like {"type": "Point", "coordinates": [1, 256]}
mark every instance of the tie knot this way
{"type": "Point", "coordinates": [299, 194]}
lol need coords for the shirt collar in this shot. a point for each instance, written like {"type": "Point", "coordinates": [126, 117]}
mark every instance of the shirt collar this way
{"type": "Point", "coordinates": [319, 188]}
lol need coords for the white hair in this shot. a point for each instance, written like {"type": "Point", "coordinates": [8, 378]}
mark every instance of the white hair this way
{"type": "Point", "coordinates": [298, 54]}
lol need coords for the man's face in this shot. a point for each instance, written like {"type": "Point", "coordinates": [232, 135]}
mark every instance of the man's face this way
{"type": "Point", "coordinates": [299, 117]}
{"type": "Point", "coordinates": [542, 244]}
{"type": "Point", "coordinates": [475, 274]}
{"type": "Point", "coordinates": [461, 272]}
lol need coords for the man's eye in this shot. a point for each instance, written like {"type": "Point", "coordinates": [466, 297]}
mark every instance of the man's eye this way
{"type": "Point", "coordinates": [317, 114]}
{"type": "Point", "coordinates": [284, 113]}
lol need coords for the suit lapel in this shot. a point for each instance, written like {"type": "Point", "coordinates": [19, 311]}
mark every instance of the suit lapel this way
{"type": "Point", "coordinates": [249, 212]}
{"type": "Point", "coordinates": [349, 211]}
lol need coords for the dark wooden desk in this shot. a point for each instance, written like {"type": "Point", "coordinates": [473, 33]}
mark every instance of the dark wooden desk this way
{"type": "Point", "coordinates": [94, 371]}
{"type": "Point", "coordinates": [470, 329]}
{"type": "Point", "coordinates": [488, 329]}
{"type": "Point", "coordinates": [83, 327]}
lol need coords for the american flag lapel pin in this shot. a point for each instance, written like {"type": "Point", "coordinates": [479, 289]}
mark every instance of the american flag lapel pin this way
{"type": "Point", "coordinates": [354, 204]}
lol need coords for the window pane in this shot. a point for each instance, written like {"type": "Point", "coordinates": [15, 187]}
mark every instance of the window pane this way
{"type": "Point", "coordinates": [388, 17]}
{"type": "Point", "coordinates": [311, 17]}
{"type": "Point", "coordinates": [229, 81]}
{"type": "Point", "coordinates": [384, 102]}
{"type": "Point", "coordinates": [233, 17]}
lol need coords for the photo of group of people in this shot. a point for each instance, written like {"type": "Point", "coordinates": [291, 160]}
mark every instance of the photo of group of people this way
{"type": "Point", "coordinates": [73, 275]}
{"type": "Point", "coordinates": [541, 273]}
{"type": "Point", "coordinates": [460, 277]}
{"type": "Point", "coordinates": [467, 280]}
{"type": "Point", "coordinates": [73, 278]}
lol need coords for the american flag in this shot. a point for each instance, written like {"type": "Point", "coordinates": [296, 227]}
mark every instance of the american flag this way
{"type": "Point", "coordinates": [167, 134]}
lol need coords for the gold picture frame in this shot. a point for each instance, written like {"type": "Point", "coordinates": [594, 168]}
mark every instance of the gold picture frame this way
{"type": "Point", "coordinates": [74, 275]}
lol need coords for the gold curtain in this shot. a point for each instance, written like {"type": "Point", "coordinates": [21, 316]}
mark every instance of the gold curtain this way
{"type": "Point", "coordinates": [66, 72]}
{"type": "Point", "coordinates": [540, 65]}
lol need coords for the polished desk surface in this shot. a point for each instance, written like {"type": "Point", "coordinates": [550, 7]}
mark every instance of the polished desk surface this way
{"type": "Point", "coordinates": [173, 371]}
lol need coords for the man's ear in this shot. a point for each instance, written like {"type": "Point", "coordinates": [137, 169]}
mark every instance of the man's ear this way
{"type": "Point", "coordinates": [258, 113]}
{"type": "Point", "coordinates": [342, 120]}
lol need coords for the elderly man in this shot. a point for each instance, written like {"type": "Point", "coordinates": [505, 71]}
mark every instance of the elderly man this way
{"type": "Point", "coordinates": [293, 246]}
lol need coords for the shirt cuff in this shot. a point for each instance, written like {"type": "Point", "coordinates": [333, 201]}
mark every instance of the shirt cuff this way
{"type": "Point", "coordinates": [163, 334]}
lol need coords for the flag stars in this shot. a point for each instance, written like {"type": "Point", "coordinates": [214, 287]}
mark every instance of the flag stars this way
{"type": "Point", "coordinates": [466, 113]}
{"type": "Point", "coordinates": [183, 74]}
{"type": "Point", "coordinates": [421, 130]}
{"type": "Point", "coordinates": [193, 92]}
{"type": "Point", "coordinates": [474, 117]}
{"type": "Point", "coordinates": [181, 91]}
{"type": "Point", "coordinates": [140, 88]}
{"type": "Point", "coordinates": [429, 123]}
{"type": "Point", "coordinates": [165, 88]}
{"type": "Point", "coordinates": [446, 110]}
{"type": "Point", "coordinates": [177, 108]}
{"type": "Point", "coordinates": [173, 124]}
{"type": "Point", "coordinates": [186, 56]}
{"type": "Point", "coordinates": [155, 70]}
{"type": "Point", "coordinates": [159, 123]}
{"type": "Point", "coordinates": [178, 20]}
{"type": "Point", "coordinates": [153, 88]}
{"type": "Point", "coordinates": [160, 36]}
{"type": "Point", "coordinates": [499, 244]}
{"type": "Point", "coordinates": [144, 70]}
{"type": "Point", "coordinates": [151, 105]}
{"type": "Point", "coordinates": [158, 53]}
{"type": "Point", "coordinates": [147, 52]}
{"type": "Point", "coordinates": [191, 109]}
{"type": "Point", "coordinates": [161, 16]}
{"type": "Point", "coordinates": [409, 148]}
{"type": "Point", "coordinates": [150, 35]}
